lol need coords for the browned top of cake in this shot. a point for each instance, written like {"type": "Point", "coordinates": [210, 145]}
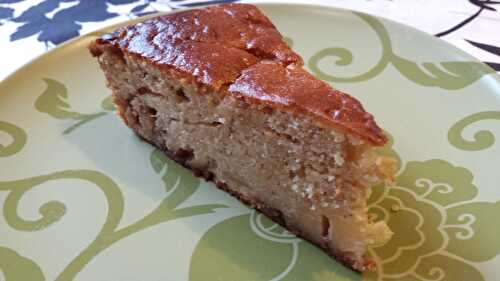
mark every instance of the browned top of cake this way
{"type": "Point", "coordinates": [293, 87]}
{"type": "Point", "coordinates": [236, 46]}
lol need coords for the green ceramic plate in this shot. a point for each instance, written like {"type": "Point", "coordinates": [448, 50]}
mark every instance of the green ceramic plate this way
{"type": "Point", "coordinates": [84, 199]}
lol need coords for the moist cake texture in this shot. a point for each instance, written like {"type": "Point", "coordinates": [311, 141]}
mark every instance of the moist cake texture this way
{"type": "Point", "coordinates": [218, 90]}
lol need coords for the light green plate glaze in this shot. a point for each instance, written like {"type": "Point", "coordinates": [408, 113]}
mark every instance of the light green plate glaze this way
{"type": "Point", "coordinates": [82, 198]}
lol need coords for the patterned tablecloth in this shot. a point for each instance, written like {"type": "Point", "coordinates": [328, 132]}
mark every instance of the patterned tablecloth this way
{"type": "Point", "coordinates": [29, 28]}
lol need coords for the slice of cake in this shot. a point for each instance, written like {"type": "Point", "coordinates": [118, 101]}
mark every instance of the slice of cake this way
{"type": "Point", "coordinates": [218, 90]}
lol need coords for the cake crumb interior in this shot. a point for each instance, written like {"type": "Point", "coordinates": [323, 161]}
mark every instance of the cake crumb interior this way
{"type": "Point", "coordinates": [313, 177]}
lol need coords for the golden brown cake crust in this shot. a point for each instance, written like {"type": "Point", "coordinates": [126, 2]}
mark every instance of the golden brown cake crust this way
{"type": "Point", "coordinates": [236, 46]}
{"type": "Point", "coordinates": [213, 44]}
{"type": "Point", "coordinates": [293, 87]}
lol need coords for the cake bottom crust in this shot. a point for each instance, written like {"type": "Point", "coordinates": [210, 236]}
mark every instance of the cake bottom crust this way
{"type": "Point", "coordinates": [181, 157]}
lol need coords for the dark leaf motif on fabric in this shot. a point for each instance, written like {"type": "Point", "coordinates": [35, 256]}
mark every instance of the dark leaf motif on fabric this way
{"type": "Point", "coordinates": [490, 49]}
{"type": "Point", "coordinates": [143, 8]}
{"type": "Point", "coordinates": [139, 8]}
{"type": "Point", "coordinates": [6, 13]}
{"type": "Point", "coordinates": [494, 65]}
{"type": "Point", "coordinates": [65, 23]}
{"type": "Point", "coordinates": [482, 5]}
{"type": "Point", "coordinates": [10, 1]}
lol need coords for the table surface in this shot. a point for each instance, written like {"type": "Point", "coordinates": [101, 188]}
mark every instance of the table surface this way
{"type": "Point", "coordinates": [29, 28]}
